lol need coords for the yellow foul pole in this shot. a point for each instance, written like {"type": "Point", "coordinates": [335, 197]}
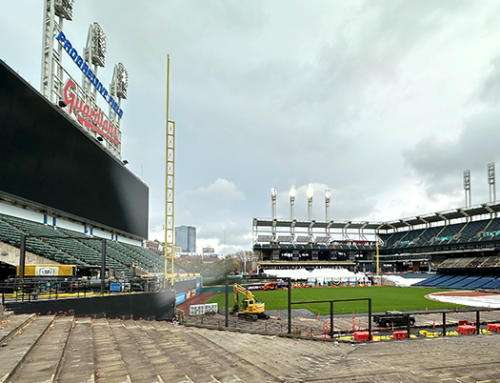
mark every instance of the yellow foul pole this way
{"type": "Point", "coordinates": [378, 269]}
{"type": "Point", "coordinates": [168, 228]}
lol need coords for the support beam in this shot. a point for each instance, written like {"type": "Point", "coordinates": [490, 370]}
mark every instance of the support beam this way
{"type": "Point", "coordinates": [22, 256]}
{"type": "Point", "coordinates": [103, 266]}
{"type": "Point", "coordinates": [289, 305]}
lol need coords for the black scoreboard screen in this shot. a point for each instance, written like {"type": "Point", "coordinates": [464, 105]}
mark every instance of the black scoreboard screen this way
{"type": "Point", "coordinates": [47, 160]}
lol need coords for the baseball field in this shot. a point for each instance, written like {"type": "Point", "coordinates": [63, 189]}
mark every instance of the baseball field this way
{"type": "Point", "coordinates": [384, 298]}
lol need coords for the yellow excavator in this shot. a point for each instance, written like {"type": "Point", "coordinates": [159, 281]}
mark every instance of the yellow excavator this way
{"type": "Point", "coordinates": [250, 309]}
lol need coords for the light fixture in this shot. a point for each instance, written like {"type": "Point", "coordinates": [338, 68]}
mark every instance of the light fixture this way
{"type": "Point", "coordinates": [309, 193]}
{"type": "Point", "coordinates": [292, 201]}
{"type": "Point", "coordinates": [273, 192]}
{"type": "Point", "coordinates": [100, 139]}
{"type": "Point", "coordinates": [125, 162]}
{"type": "Point", "coordinates": [64, 8]}
{"type": "Point", "coordinates": [327, 195]}
{"type": "Point", "coordinates": [62, 104]}
{"type": "Point", "coordinates": [309, 203]}
{"type": "Point", "coordinates": [98, 45]}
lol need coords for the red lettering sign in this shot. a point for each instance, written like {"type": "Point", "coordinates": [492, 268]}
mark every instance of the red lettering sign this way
{"type": "Point", "coordinates": [86, 115]}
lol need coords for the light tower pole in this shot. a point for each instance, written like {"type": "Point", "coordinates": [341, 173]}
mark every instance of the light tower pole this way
{"type": "Point", "coordinates": [467, 188]}
{"type": "Point", "coordinates": [327, 204]}
{"type": "Point", "coordinates": [491, 181]}
{"type": "Point", "coordinates": [51, 60]}
{"type": "Point", "coordinates": [309, 203]}
{"type": "Point", "coordinates": [292, 202]}
{"type": "Point", "coordinates": [273, 203]}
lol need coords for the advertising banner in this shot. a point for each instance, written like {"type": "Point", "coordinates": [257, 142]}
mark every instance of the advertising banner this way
{"type": "Point", "coordinates": [179, 298]}
{"type": "Point", "coordinates": [198, 285]}
{"type": "Point", "coordinates": [46, 271]}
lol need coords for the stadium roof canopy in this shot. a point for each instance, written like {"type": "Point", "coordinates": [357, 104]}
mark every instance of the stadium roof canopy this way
{"type": "Point", "coordinates": [442, 216]}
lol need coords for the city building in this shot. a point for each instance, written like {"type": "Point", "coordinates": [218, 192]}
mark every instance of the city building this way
{"type": "Point", "coordinates": [185, 237]}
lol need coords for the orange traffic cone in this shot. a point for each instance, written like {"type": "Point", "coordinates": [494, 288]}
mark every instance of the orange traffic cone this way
{"type": "Point", "coordinates": [426, 311]}
{"type": "Point", "coordinates": [279, 317]}
{"type": "Point", "coordinates": [318, 316]}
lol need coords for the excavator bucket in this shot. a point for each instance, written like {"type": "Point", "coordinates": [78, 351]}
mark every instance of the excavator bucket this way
{"type": "Point", "coordinates": [235, 309]}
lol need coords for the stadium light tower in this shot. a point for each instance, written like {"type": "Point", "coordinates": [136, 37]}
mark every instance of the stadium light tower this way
{"type": "Point", "coordinates": [51, 62]}
{"type": "Point", "coordinates": [328, 195]}
{"type": "Point", "coordinates": [273, 202]}
{"type": "Point", "coordinates": [292, 201]}
{"type": "Point", "coordinates": [309, 203]}
{"type": "Point", "coordinates": [95, 54]}
{"type": "Point", "coordinates": [118, 90]}
{"type": "Point", "coordinates": [467, 188]}
{"type": "Point", "coordinates": [491, 181]}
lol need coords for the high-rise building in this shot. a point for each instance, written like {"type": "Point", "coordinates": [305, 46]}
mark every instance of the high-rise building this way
{"type": "Point", "coordinates": [185, 237]}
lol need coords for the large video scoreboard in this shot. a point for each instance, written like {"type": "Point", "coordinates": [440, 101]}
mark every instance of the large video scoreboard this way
{"type": "Point", "coordinates": [48, 160]}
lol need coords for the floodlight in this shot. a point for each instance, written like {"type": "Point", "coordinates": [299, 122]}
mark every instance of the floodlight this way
{"type": "Point", "coordinates": [309, 193]}
{"type": "Point", "coordinates": [292, 193]}
{"type": "Point", "coordinates": [98, 45]}
{"type": "Point", "coordinates": [121, 81]}
{"type": "Point", "coordinates": [327, 195]}
{"type": "Point", "coordinates": [273, 192]}
{"type": "Point", "coordinates": [64, 9]}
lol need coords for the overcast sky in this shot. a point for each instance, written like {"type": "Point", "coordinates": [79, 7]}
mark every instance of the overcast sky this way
{"type": "Point", "coordinates": [383, 102]}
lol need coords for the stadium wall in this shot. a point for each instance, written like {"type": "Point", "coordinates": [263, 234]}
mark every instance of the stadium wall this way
{"type": "Point", "coordinates": [159, 305]}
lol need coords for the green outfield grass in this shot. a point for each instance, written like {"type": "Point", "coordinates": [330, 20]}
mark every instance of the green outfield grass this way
{"type": "Point", "coordinates": [384, 298]}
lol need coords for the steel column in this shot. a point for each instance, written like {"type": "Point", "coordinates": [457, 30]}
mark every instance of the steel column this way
{"type": "Point", "coordinates": [22, 256]}
{"type": "Point", "coordinates": [289, 306]}
{"type": "Point", "coordinates": [369, 319]}
{"type": "Point", "coordinates": [227, 303]}
{"type": "Point", "coordinates": [478, 323]}
{"type": "Point", "coordinates": [103, 267]}
{"type": "Point", "coordinates": [408, 326]}
{"type": "Point", "coordinates": [331, 320]}
{"type": "Point", "coordinates": [444, 324]}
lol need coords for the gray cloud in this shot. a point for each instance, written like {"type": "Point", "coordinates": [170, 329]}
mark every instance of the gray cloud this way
{"type": "Point", "coordinates": [439, 164]}
{"type": "Point", "coordinates": [371, 99]}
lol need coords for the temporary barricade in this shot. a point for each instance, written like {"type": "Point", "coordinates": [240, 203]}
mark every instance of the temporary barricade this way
{"type": "Point", "coordinates": [207, 308]}
{"type": "Point", "coordinates": [494, 327]}
{"type": "Point", "coordinates": [361, 336]}
{"type": "Point", "coordinates": [399, 334]}
{"type": "Point", "coordinates": [466, 330]}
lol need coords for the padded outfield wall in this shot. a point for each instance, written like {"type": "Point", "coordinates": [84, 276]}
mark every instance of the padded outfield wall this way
{"type": "Point", "coordinates": [48, 161]}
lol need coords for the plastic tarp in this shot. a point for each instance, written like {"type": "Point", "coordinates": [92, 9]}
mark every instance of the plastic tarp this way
{"type": "Point", "coordinates": [319, 275]}
{"type": "Point", "coordinates": [403, 282]}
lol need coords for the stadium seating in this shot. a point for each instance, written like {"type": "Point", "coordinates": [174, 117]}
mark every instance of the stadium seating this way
{"type": "Point", "coordinates": [428, 234]}
{"type": "Point", "coordinates": [495, 284]}
{"type": "Point", "coordinates": [482, 282]}
{"type": "Point", "coordinates": [121, 257]}
{"type": "Point", "coordinates": [450, 281]}
{"type": "Point", "coordinates": [466, 281]}
{"type": "Point", "coordinates": [264, 238]}
{"type": "Point", "coordinates": [285, 238]}
{"type": "Point", "coordinates": [304, 238]}
{"type": "Point", "coordinates": [429, 281]}
{"type": "Point", "coordinates": [471, 230]}
{"type": "Point", "coordinates": [394, 239]}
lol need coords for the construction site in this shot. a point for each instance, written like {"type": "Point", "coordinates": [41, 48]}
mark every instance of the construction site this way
{"type": "Point", "coordinates": [66, 349]}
